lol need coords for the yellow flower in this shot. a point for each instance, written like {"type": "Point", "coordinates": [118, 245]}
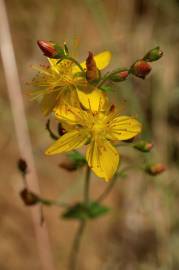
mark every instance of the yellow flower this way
{"type": "Point", "coordinates": [57, 84]}
{"type": "Point", "coordinates": [100, 130]}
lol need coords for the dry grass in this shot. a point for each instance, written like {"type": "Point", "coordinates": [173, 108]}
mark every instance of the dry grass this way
{"type": "Point", "coordinates": [142, 231]}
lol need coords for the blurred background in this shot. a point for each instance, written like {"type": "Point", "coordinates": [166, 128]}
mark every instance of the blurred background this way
{"type": "Point", "coordinates": [142, 231]}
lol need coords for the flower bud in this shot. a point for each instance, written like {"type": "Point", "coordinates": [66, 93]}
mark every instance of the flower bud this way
{"type": "Point", "coordinates": [143, 146]}
{"type": "Point", "coordinates": [29, 198]}
{"type": "Point", "coordinates": [68, 166]}
{"type": "Point", "coordinates": [153, 55]}
{"type": "Point", "coordinates": [120, 76]}
{"type": "Point", "coordinates": [92, 72]}
{"type": "Point", "coordinates": [140, 69]}
{"type": "Point", "coordinates": [155, 169]}
{"type": "Point", "coordinates": [48, 48]}
{"type": "Point", "coordinates": [61, 130]}
{"type": "Point", "coordinates": [22, 166]}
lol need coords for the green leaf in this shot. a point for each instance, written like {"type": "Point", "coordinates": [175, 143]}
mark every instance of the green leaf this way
{"type": "Point", "coordinates": [96, 209]}
{"type": "Point", "coordinates": [83, 211]}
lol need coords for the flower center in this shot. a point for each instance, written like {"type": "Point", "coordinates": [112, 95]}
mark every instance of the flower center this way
{"type": "Point", "coordinates": [98, 125]}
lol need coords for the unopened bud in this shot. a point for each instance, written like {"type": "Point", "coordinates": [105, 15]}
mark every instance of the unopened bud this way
{"type": "Point", "coordinates": [120, 76]}
{"type": "Point", "coordinates": [143, 146]}
{"type": "Point", "coordinates": [29, 198]}
{"type": "Point", "coordinates": [140, 69]}
{"type": "Point", "coordinates": [48, 48]}
{"type": "Point", "coordinates": [153, 55]}
{"type": "Point", "coordinates": [112, 108]}
{"type": "Point", "coordinates": [61, 130]}
{"type": "Point", "coordinates": [22, 166]}
{"type": "Point", "coordinates": [92, 72]}
{"type": "Point", "coordinates": [68, 166]}
{"type": "Point", "coordinates": [155, 169]}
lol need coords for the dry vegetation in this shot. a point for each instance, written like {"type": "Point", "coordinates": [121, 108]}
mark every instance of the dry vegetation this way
{"type": "Point", "coordinates": [142, 233]}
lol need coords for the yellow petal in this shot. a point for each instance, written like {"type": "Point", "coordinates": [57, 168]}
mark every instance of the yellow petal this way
{"type": "Point", "coordinates": [102, 61]}
{"type": "Point", "coordinates": [103, 158]}
{"type": "Point", "coordinates": [70, 141]}
{"type": "Point", "coordinates": [95, 100]}
{"type": "Point", "coordinates": [48, 102]}
{"type": "Point", "coordinates": [53, 64]}
{"type": "Point", "coordinates": [68, 101]}
{"type": "Point", "coordinates": [123, 128]}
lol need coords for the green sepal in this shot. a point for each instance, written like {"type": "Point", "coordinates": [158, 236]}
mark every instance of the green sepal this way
{"type": "Point", "coordinates": [106, 88]}
{"type": "Point", "coordinates": [66, 50]}
{"type": "Point", "coordinates": [83, 211]}
{"type": "Point", "coordinates": [153, 55]}
{"type": "Point", "coordinates": [60, 52]}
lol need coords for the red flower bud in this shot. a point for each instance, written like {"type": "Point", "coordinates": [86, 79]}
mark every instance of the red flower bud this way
{"type": "Point", "coordinates": [61, 130]}
{"type": "Point", "coordinates": [47, 47]}
{"type": "Point", "coordinates": [120, 76]}
{"type": "Point", "coordinates": [112, 108]}
{"type": "Point", "coordinates": [143, 146]}
{"type": "Point", "coordinates": [92, 72]}
{"type": "Point", "coordinates": [141, 69]}
{"type": "Point", "coordinates": [155, 169]}
{"type": "Point", "coordinates": [124, 74]}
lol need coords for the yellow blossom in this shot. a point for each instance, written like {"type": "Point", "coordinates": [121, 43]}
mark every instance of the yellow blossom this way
{"type": "Point", "coordinates": [57, 84]}
{"type": "Point", "coordinates": [100, 129]}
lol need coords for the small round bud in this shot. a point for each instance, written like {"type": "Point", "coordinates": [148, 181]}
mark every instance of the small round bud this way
{"type": "Point", "coordinates": [120, 76]}
{"type": "Point", "coordinates": [22, 166]}
{"type": "Point", "coordinates": [140, 69]}
{"type": "Point", "coordinates": [48, 48]}
{"type": "Point", "coordinates": [155, 169]}
{"type": "Point", "coordinates": [143, 146]}
{"type": "Point", "coordinates": [153, 55]}
{"type": "Point", "coordinates": [29, 198]}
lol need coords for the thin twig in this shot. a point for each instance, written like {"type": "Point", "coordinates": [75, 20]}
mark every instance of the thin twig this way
{"type": "Point", "coordinates": [23, 140]}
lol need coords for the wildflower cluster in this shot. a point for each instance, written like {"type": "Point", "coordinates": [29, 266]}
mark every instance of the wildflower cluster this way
{"type": "Point", "coordinates": [74, 93]}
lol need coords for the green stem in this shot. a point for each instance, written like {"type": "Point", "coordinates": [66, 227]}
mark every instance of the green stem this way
{"type": "Point", "coordinates": [76, 246]}
{"type": "Point", "coordinates": [75, 62]}
{"type": "Point", "coordinates": [108, 75]}
{"type": "Point", "coordinates": [87, 185]}
{"type": "Point", "coordinates": [78, 237]}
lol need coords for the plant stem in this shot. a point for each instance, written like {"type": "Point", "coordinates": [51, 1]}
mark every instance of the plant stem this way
{"type": "Point", "coordinates": [108, 75]}
{"type": "Point", "coordinates": [77, 240]}
{"type": "Point", "coordinates": [75, 62]}
{"type": "Point", "coordinates": [111, 184]}
{"type": "Point", "coordinates": [87, 183]}
{"type": "Point", "coordinates": [76, 246]}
